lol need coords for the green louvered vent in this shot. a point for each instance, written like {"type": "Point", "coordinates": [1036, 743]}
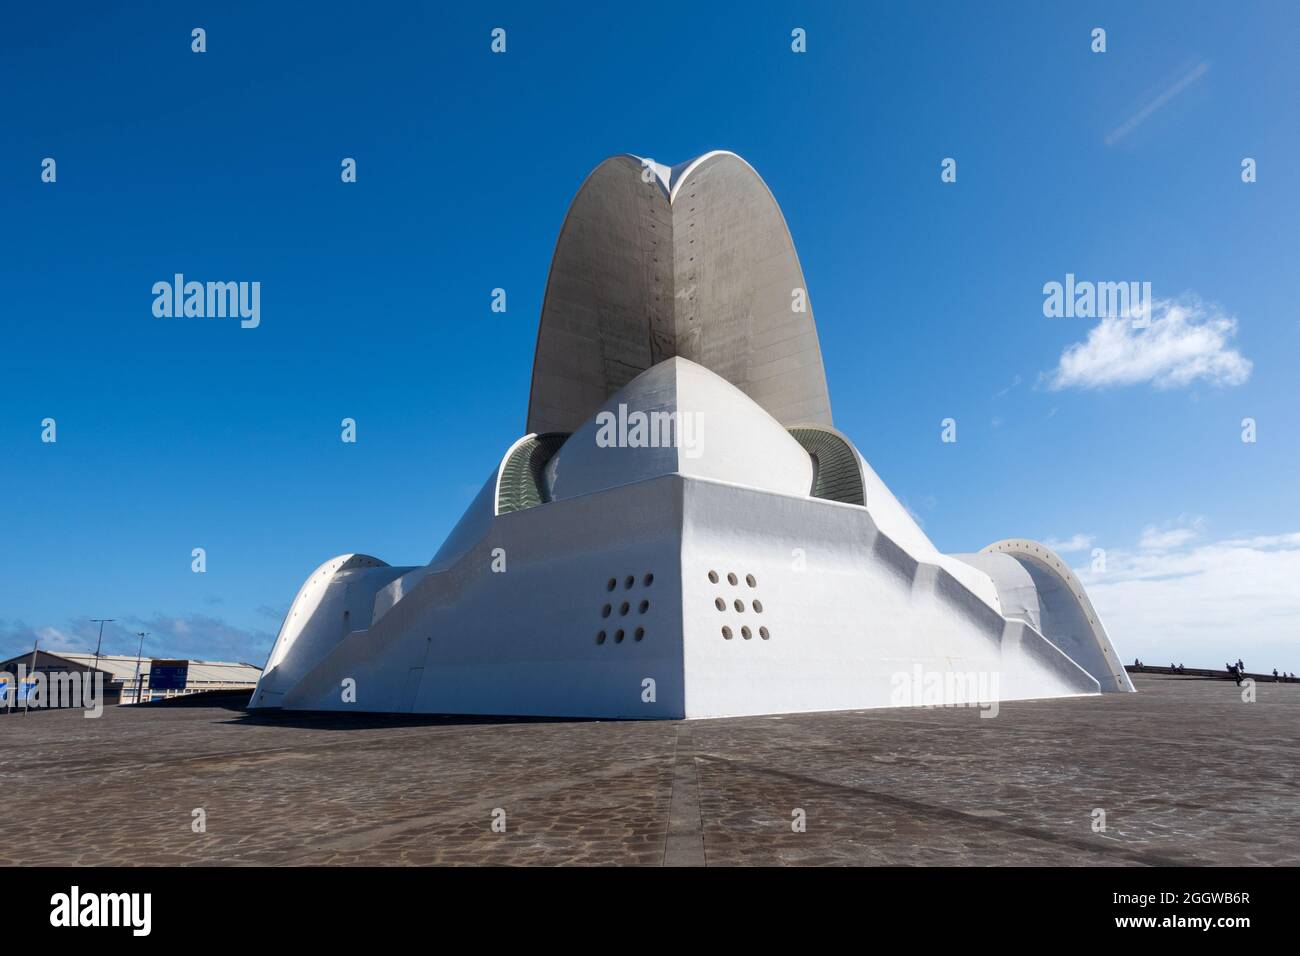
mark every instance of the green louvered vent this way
{"type": "Point", "coordinates": [838, 477]}
{"type": "Point", "coordinates": [523, 482]}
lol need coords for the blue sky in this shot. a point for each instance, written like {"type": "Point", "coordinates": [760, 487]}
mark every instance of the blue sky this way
{"type": "Point", "coordinates": [183, 433]}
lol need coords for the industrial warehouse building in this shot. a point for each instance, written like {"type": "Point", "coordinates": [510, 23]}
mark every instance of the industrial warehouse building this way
{"type": "Point", "coordinates": [127, 680]}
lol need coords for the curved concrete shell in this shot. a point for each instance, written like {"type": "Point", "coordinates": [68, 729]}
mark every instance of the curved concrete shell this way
{"type": "Point", "coordinates": [837, 475]}
{"type": "Point", "coordinates": [521, 482]}
{"type": "Point", "coordinates": [695, 261]}
{"type": "Point", "coordinates": [682, 532]}
{"type": "Point", "coordinates": [1035, 585]}
{"type": "Point", "coordinates": [679, 418]}
{"type": "Point", "coordinates": [336, 598]}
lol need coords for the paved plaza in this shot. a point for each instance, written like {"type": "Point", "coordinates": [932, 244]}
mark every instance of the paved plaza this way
{"type": "Point", "coordinates": [1185, 771]}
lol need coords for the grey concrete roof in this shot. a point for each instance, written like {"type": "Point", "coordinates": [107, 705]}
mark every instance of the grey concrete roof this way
{"type": "Point", "coordinates": [694, 261]}
{"type": "Point", "coordinates": [122, 667]}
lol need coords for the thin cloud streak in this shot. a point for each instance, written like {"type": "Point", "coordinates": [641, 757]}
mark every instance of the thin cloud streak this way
{"type": "Point", "coordinates": [1142, 115]}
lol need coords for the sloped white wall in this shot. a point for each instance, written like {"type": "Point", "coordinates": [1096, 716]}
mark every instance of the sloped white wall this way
{"type": "Point", "coordinates": [850, 612]}
{"type": "Point", "coordinates": [524, 641]}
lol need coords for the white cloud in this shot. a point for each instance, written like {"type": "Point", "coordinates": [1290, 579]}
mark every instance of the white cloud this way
{"type": "Point", "coordinates": [1172, 535]}
{"type": "Point", "coordinates": [1153, 539]}
{"type": "Point", "coordinates": [1079, 542]}
{"type": "Point", "coordinates": [1205, 604]}
{"type": "Point", "coordinates": [191, 635]}
{"type": "Point", "coordinates": [1186, 340]}
{"type": "Point", "coordinates": [1266, 541]}
{"type": "Point", "coordinates": [20, 639]}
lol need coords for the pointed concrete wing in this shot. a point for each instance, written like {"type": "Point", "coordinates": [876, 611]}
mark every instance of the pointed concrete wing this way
{"type": "Point", "coordinates": [695, 262]}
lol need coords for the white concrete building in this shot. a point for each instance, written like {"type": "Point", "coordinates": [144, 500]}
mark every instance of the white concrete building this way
{"type": "Point", "coordinates": [682, 532]}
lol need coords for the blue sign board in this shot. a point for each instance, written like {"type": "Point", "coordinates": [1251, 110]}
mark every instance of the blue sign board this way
{"type": "Point", "coordinates": [168, 675]}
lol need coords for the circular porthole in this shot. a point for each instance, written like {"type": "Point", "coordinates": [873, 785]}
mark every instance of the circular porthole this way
{"type": "Point", "coordinates": [746, 633]}
{"type": "Point", "coordinates": [604, 611]}
{"type": "Point", "coordinates": [648, 580]}
{"type": "Point", "coordinates": [758, 607]}
{"type": "Point", "coordinates": [713, 577]}
{"type": "Point", "coordinates": [732, 579]}
{"type": "Point", "coordinates": [631, 580]}
{"type": "Point", "coordinates": [720, 604]}
{"type": "Point", "coordinates": [600, 638]}
{"type": "Point", "coordinates": [751, 580]}
{"type": "Point", "coordinates": [640, 633]}
{"type": "Point", "coordinates": [613, 583]}
{"type": "Point", "coordinates": [645, 606]}
{"type": "Point", "coordinates": [618, 636]}
{"type": "Point", "coordinates": [762, 632]}
{"type": "Point", "coordinates": [726, 632]}
{"type": "Point", "coordinates": [623, 608]}
{"type": "Point", "coordinates": [739, 606]}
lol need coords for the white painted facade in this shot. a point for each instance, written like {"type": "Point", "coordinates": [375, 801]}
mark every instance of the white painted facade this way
{"type": "Point", "coordinates": [672, 558]}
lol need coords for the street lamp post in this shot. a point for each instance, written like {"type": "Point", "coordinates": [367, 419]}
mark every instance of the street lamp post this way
{"type": "Point", "coordinates": [101, 621]}
{"type": "Point", "coordinates": [138, 651]}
